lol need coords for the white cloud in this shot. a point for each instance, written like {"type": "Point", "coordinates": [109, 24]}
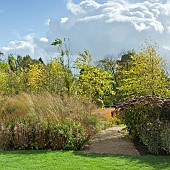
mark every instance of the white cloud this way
{"type": "Point", "coordinates": [90, 3]}
{"type": "Point", "coordinates": [145, 14]}
{"type": "Point", "coordinates": [30, 44]}
{"type": "Point", "coordinates": [166, 8]}
{"type": "Point", "coordinates": [26, 43]}
{"type": "Point", "coordinates": [64, 20]}
{"type": "Point", "coordinates": [43, 39]}
{"type": "Point", "coordinates": [113, 26]}
{"type": "Point", "coordinates": [103, 28]}
{"type": "Point", "coordinates": [90, 18]}
{"type": "Point", "coordinates": [74, 8]}
{"type": "Point", "coordinates": [141, 26]}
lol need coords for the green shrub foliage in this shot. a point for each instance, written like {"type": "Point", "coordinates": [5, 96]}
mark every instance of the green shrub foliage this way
{"type": "Point", "coordinates": [147, 118]}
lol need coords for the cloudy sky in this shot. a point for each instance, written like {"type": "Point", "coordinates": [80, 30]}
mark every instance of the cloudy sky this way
{"type": "Point", "coordinates": [100, 26]}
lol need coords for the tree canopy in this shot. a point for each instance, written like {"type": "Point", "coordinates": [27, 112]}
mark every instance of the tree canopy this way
{"type": "Point", "coordinates": [106, 83]}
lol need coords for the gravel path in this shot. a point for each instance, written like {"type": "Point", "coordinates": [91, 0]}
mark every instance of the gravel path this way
{"type": "Point", "coordinates": [111, 141]}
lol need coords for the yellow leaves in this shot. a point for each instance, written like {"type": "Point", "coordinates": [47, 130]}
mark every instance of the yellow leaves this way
{"type": "Point", "coordinates": [36, 77]}
{"type": "Point", "coordinates": [95, 83]}
{"type": "Point", "coordinates": [3, 81]}
{"type": "Point", "coordinates": [146, 75]}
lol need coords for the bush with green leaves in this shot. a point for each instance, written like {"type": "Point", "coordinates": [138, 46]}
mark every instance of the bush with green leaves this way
{"type": "Point", "coordinates": [147, 118]}
{"type": "Point", "coordinates": [92, 81]}
{"type": "Point", "coordinates": [165, 137]}
{"type": "Point", "coordinates": [46, 121]}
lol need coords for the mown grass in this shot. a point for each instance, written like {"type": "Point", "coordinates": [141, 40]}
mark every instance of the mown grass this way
{"type": "Point", "coordinates": [74, 160]}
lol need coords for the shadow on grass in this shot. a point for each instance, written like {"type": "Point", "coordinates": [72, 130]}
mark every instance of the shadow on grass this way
{"type": "Point", "coordinates": [24, 152]}
{"type": "Point", "coordinates": [157, 162]}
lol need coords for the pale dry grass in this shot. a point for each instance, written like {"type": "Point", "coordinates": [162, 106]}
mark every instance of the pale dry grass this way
{"type": "Point", "coordinates": [105, 113]}
{"type": "Point", "coordinates": [44, 106]}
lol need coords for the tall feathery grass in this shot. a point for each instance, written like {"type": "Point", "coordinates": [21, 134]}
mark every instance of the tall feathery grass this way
{"type": "Point", "coordinates": [45, 121]}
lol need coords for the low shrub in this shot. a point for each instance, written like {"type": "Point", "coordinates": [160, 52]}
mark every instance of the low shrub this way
{"type": "Point", "coordinates": [46, 121]}
{"type": "Point", "coordinates": [165, 137]}
{"type": "Point", "coordinates": [147, 119]}
{"type": "Point", "coordinates": [5, 137]}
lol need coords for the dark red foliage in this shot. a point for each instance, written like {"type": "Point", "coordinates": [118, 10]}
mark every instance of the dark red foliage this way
{"type": "Point", "coordinates": [163, 104]}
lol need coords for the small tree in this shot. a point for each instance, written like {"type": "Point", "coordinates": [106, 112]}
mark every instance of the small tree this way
{"type": "Point", "coordinates": [64, 60]}
{"type": "Point", "coordinates": [55, 77]}
{"type": "Point", "coordinates": [146, 75]}
{"type": "Point", "coordinates": [116, 68]}
{"type": "Point", "coordinates": [36, 78]}
{"type": "Point", "coordinates": [92, 81]}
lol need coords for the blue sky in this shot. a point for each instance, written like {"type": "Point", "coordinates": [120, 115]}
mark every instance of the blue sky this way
{"type": "Point", "coordinates": [22, 17]}
{"type": "Point", "coordinates": [100, 26]}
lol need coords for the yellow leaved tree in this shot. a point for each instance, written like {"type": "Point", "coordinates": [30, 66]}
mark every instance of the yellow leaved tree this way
{"type": "Point", "coordinates": [146, 74]}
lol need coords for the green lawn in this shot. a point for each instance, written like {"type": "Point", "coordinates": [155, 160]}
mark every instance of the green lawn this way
{"type": "Point", "coordinates": [71, 160]}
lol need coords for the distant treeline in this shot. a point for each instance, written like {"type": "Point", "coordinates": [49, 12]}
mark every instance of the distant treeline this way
{"type": "Point", "coordinates": [107, 82]}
